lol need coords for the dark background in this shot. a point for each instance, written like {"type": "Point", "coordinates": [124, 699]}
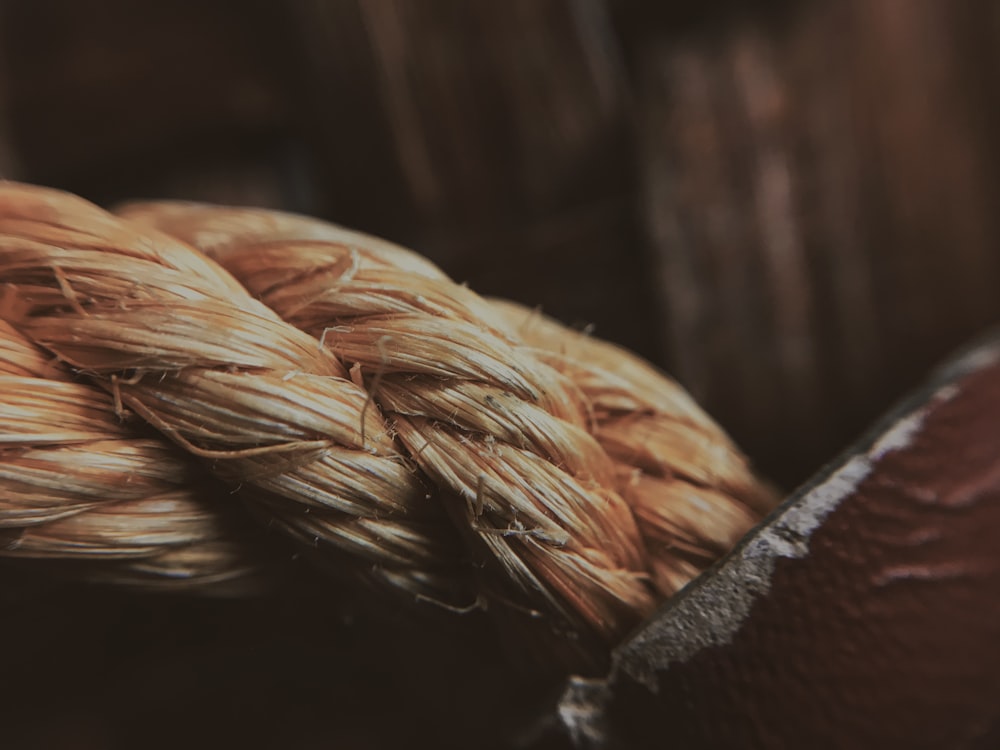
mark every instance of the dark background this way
{"type": "Point", "coordinates": [790, 206]}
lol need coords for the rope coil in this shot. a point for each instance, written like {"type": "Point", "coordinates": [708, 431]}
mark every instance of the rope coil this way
{"type": "Point", "coordinates": [369, 407]}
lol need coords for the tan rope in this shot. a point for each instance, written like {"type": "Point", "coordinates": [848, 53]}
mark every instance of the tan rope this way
{"type": "Point", "coordinates": [404, 369]}
{"type": "Point", "coordinates": [80, 486]}
{"type": "Point", "coordinates": [479, 414]}
{"type": "Point", "coordinates": [691, 490]}
{"type": "Point", "coordinates": [180, 343]}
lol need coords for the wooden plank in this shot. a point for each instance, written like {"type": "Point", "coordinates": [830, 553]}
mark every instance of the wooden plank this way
{"type": "Point", "coordinates": [818, 188]}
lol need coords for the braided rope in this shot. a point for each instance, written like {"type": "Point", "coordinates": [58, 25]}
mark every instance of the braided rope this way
{"type": "Point", "coordinates": [692, 492]}
{"type": "Point", "coordinates": [482, 417]}
{"type": "Point", "coordinates": [79, 485]}
{"type": "Point", "coordinates": [360, 399]}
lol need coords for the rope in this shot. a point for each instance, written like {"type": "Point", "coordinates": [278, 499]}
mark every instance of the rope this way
{"type": "Point", "coordinates": [391, 421]}
{"type": "Point", "coordinates": [691, 491]}
{"type": "Point", "coordinates": [79, 485]}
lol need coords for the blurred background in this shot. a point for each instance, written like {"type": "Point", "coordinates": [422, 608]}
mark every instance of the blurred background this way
{"type": "Point", "coordinates": [788, 205]}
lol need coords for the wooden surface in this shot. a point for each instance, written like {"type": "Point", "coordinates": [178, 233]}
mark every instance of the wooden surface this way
{"type": "Point", "coordinates": [820, 194]}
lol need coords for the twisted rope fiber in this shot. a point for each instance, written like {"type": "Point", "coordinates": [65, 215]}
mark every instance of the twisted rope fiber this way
{"type": "Point", "coordinates": [692, 492]}
{"type": "Point", "coordinates": [477, 412]}
{"type": "Point", "coordinates": [180, 343]}
{"type": "Point", "coordinates": [63, 456]}
{"type": "Point", "coordinates": [502, 438]}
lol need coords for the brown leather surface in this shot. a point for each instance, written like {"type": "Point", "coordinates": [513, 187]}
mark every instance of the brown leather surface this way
{"type": "Point", "coordinates": [885, 634]}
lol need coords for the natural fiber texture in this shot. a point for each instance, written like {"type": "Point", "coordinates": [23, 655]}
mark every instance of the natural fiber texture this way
{"type": "Point", "coordinates": [79, 486]}
{"type": "Point", "coordinates": [692, 492]}
{"type": "Point", "coordinates": [413, 402]}
{"type": "Point", "coordinates": [180, 343]}
{"type": "Point", "coordinates": [480, 415]}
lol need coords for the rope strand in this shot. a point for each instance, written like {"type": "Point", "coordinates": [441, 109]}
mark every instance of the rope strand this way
{"type": "Point", "coordinates": [692, 492]}
{"type": "Point", "coordinates": [82, 488]}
